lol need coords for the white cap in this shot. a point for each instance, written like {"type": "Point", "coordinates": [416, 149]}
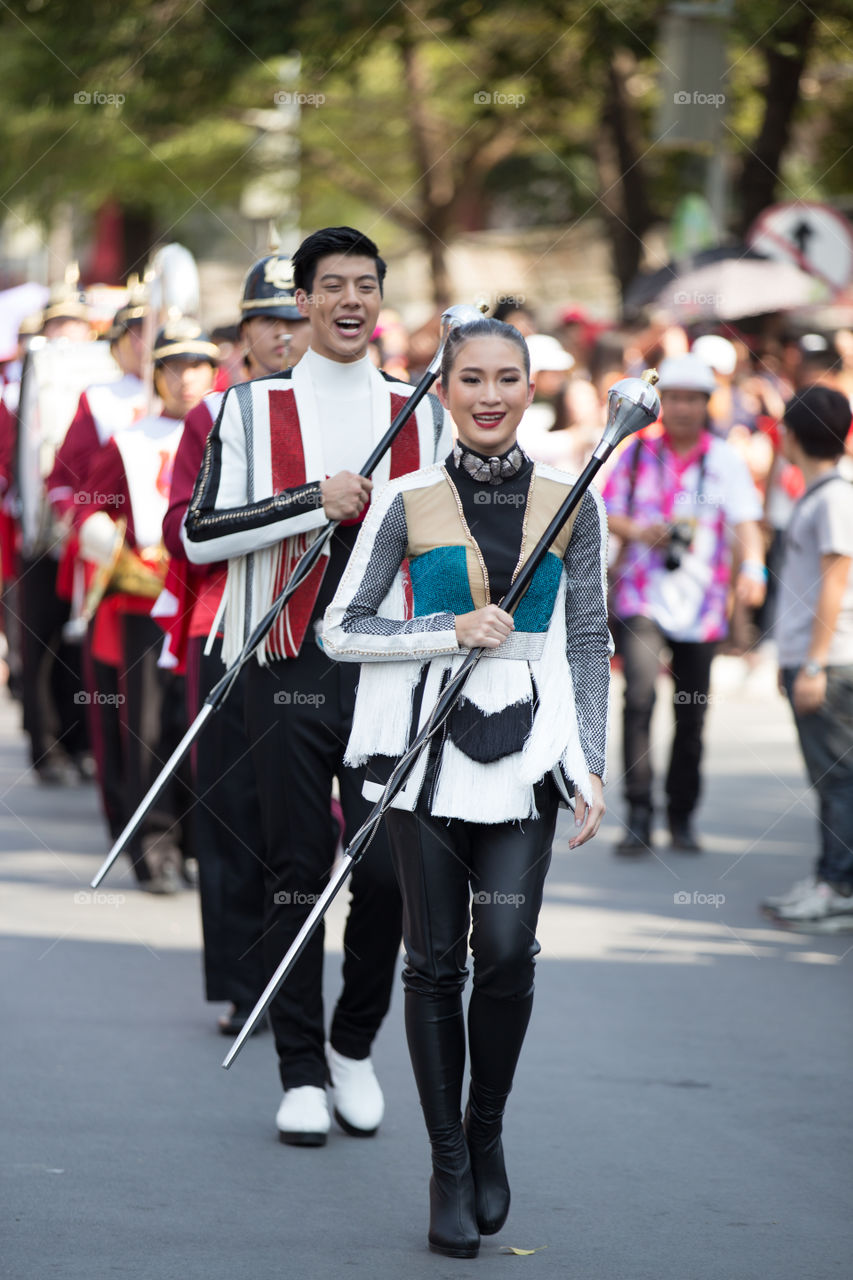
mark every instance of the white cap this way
{"type": "Point", "coordinates": [686, 373]}
{"type": "Point", "coordinates": [546, 353]}
{"type": "Point", "coordinates": [716, 351]}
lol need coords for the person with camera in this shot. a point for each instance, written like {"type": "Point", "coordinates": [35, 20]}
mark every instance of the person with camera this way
{"type": "Point", "coordinates": [687, 513]}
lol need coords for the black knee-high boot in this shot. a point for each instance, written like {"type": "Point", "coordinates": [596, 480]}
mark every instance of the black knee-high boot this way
{"type": "Point", "coordinates": [435, 1029]}
{"type": "Point", "coordinates": [496, 1030]}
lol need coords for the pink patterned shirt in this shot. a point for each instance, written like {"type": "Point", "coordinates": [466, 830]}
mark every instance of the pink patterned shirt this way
{"type": "Point", "coordinates": [688, 603]}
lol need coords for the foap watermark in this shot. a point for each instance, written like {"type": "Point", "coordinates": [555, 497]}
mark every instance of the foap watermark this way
{"type": "Point", "coordinates": [499, 498]}
{"type": "Point", "coordinates": [295, 898]}
{"type": "Point", "coordinates": [296, 698]}
{"type": "Point", "coordinates": [83, 498]}
{"type": "Point", "coordinates": [697, 299]}
{"type": "Point", "coordinates": [484, 98]}
{"type": "Point", "coordinates": [284, 98]}
{"type": "Point", "coordinates": [89, 898]}
{"type": "Point", "coordinates": [483, 898]}
{"type": "Point", "coordinates": [84, 99]}
{"type": "Point", "coordinates": [686, 699]}
{"type": "Point", "coordinates": [84, 699]}
{"type": "Point", "coordinates": [695, 899]}
{"type": "Point", "coordinates": [698, 499]}
{"type": "Point", "coordinates": [682, 98]}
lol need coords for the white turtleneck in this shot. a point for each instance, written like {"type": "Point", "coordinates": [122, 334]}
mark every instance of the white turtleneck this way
{"type": "Point", "coordinates": [343, 395]}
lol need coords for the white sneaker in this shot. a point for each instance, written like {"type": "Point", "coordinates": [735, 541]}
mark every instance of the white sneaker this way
{"type": "Point", "coordinates": [796, 891]}
{"type": "Point", "coordinates": [358, 1102]}
{"type": "Point", "coordinates": [822, 903]}
{"type": "Point", "coordinates": [302, 1119]}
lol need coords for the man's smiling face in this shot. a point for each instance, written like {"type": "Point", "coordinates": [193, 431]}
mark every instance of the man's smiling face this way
{"type": "Point", "coordinates": [343, 306]}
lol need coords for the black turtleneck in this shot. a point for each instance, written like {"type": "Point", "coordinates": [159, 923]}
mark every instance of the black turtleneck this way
{"type": "Point", "coordinates": [495, 515]}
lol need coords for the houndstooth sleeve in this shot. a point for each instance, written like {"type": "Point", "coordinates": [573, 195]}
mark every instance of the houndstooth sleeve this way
{"type": "Point", "coordinates": [588, 643]}
{"type": "Point", "coordinates": [357, 626]}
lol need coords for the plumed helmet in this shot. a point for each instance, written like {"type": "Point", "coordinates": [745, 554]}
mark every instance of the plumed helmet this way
{"type": "Point", "coordinates": [268, 290]}
{"type": "Point", "coordinates": [132, 311]}
{"type": "Point", "coordinates": [67, 301]}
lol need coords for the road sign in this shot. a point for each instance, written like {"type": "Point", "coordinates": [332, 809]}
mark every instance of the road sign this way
{"type": "Point", "coordinates": [813, 236]}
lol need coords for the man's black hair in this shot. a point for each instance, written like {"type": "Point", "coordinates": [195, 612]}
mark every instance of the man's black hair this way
{"type": "Point", "coordinates": [819, 420]}
{"type": "Point", "coordinates": [328, 241]}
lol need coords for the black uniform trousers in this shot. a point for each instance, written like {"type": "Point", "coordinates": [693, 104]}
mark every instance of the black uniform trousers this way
{"type": "Point", "coordinates": [299, 714]}
{"type": "Point", "coordinates": [152, 712]}
{"type": "Point", "coordinates": [105, 733]}
{"type": "Point", "coordinates": [228, 838]}
{"type": "Point", "coordinates": [54, 700]}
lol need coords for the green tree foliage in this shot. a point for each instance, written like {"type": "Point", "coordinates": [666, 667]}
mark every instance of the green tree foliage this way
{"type": "Point", "coordinates": [420, 119]}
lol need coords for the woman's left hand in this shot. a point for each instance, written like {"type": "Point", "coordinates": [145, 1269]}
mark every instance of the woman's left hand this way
{"type": "Point", "coordinates": [588, 816]}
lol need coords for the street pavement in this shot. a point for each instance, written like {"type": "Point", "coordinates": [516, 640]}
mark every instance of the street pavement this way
{"type": "Point", "coordinates": [681, 1111]}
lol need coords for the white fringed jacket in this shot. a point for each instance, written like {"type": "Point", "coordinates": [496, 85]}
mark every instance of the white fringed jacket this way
{"type": "Point", "coordinates": [536, 704]}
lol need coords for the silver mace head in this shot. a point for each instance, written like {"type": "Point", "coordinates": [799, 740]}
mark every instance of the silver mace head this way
{"type": "Point", "coordinates": [632, 403]}
{"type": "Point", "coordinates": [460, 313]}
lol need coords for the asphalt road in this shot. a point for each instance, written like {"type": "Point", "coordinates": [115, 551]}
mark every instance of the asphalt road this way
{"type": "Point", "coordinates": [681, 1111]}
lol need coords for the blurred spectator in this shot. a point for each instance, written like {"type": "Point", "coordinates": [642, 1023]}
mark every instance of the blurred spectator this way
{"type": "Point", "coordinates": [513, 311]}
{"type": "Point", "coordinates": [819, 361]}
{"type": "Point", "coordinates": [541, 432]}
{"type": "Point", "coordinates": [674, 501]}
{"type": "Point", "coordinates": [577, 333]}
{"type": "Point", "coordinates": [814, 632]}
{"type": "Point", "coordinates": [391, 345]}
{"type": "Point", "coordinates": [227, 339]}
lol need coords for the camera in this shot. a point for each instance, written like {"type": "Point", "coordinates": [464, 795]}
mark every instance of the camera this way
{"type": "Point", "coordinates": [680, 538]}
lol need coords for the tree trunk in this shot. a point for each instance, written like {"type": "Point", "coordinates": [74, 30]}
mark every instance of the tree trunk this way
{"type": "Point", "coordinates": [786, 58]}
{"type": "Point", "coordinates": [432, 155]}
{"type": "Point", "coordinates": [621, 178]}
{"type": "Point", "coordinates": [139, 232]}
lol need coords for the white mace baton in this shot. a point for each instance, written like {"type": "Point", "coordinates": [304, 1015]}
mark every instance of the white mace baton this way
{"type": "Point", "coordinates": [454, 316]}
{"type": "Point", "coordinates": [632, 403]}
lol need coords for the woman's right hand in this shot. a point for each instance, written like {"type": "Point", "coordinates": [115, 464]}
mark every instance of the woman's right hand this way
{"type": "Point", "coordinates": [484, 628]}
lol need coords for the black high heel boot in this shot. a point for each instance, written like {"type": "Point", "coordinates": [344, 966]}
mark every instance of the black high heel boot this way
{"type": "Point", "coordinates": [482, 1127]}
{"type": "Point", "coordinates": [496, 1030]}
{"type": "Point", "coordinates": [435, 1030]}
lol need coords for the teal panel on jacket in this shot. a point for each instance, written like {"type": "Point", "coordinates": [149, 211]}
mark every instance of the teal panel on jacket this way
{"type": "Point", "coordinates": [440, 585]}
{"type": "Point", "coordinates": [440, 582]}
{"type": "Point", "coordinates": [537, 603]}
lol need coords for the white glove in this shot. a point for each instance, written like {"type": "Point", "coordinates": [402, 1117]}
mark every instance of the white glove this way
{"type": "Point", "coordinates": [99, 538]}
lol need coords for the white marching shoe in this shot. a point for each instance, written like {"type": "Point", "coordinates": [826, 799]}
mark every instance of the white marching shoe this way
{"type": "Point", "coordinates": [303, 1119]}
{"type": "Point", "coordinates": [358, 1102]}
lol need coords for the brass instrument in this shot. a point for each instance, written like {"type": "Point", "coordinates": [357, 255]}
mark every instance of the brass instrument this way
{"type": "Point", "coordinates": [139, 573]}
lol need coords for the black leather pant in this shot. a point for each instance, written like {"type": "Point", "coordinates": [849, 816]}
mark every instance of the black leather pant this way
{"type": "Point", "coordinates": [500, 868]}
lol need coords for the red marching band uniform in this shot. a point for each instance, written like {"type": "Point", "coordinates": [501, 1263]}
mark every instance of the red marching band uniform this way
{"type": "Point", "coordinates": [128, 485]}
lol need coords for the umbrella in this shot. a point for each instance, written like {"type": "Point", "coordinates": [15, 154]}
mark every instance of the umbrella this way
{"type": "Point", "coordinates": [725, 284]}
